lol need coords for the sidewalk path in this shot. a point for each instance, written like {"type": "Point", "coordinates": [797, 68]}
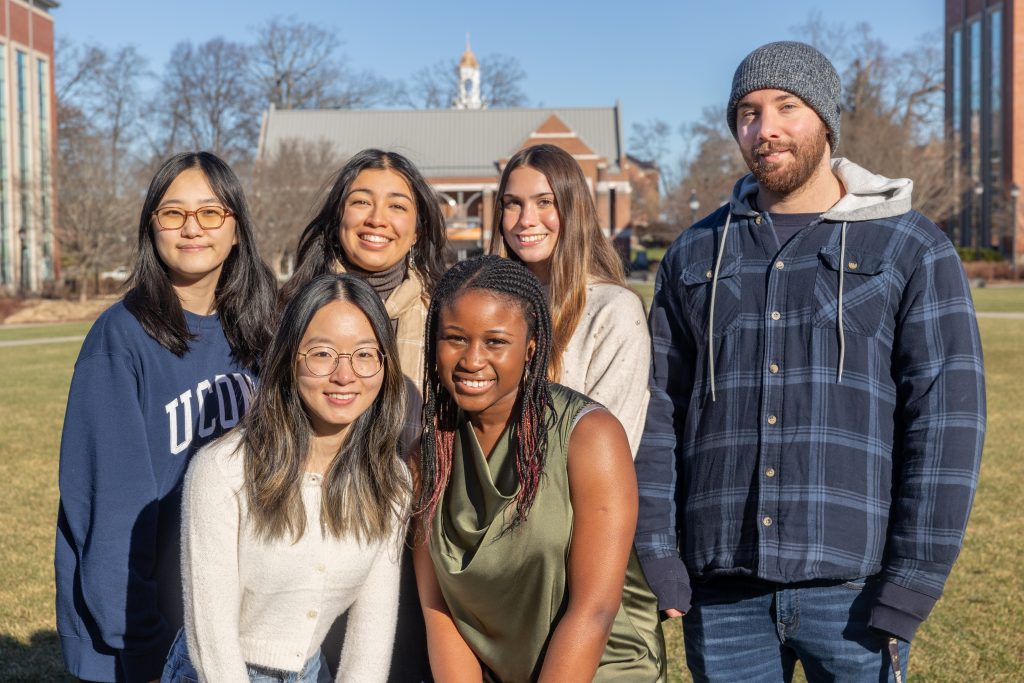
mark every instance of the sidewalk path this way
{"type": "Point", "coordinates": [1006, 316]}
{"type": "Point", "coordinates": [42, 340]}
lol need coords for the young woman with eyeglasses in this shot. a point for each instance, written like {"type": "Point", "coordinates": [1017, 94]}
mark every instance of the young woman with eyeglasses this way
{"type": "Point", "coordinates": [527, 500]}
{"type": "Point", "coordinates": [163, 371]}
{"type": "Point", "coordinates": [299, 515]}
{"type": "Point", "coordinates": [382, 223]}
{"type": "Point", "coordinates": [545, 218]}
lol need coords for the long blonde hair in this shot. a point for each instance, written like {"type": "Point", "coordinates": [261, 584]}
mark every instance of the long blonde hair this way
{"type": "Point", "coordinates": [582, 252]}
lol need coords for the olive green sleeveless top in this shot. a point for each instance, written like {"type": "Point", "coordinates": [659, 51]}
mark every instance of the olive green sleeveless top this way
{"type": "Point", "coordinates": [507, 592]}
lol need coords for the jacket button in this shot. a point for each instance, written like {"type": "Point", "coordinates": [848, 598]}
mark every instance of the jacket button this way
{"type": "Point", "coordinates": [772, 419]}
{"type": "Point", "coordinates": [311, 614]}
{"type": "Point", "coordinates": [710, 274]}
{"type": "Point", "coordinates": [773, 368]}
{"type": "Point", "coordinates": [853, 265]}
{"type": "Point", "coordinates": [770, 472]}
{"type": "Point", "coordinates": [776, 315]}
{"type": "Point", "coordinates": [757, 219]}
{"type": "Point", "coordinates": [767, 521]}
{"type": "Point", "coordinates": [779, 265]}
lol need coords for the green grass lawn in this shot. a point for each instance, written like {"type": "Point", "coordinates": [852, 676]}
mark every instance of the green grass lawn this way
{"type": "Point", "coordinates": [32, 397]}
{"type": "Point", "coordinates": [999, 299]}
{"type": "Point", "coordinates": [974, 631]}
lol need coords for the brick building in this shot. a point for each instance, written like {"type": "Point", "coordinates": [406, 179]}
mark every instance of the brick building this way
{"type": "Point", "coordinates": [29, 257]}
{"type": "Point", "coordinates": [461, 151]}
{"type": "Point", "coordinates": [984, 120]}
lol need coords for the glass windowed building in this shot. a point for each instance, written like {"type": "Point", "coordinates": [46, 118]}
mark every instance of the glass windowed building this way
{"type": "Point", "coordinates": [984, 109]}
{"type": "Point", "coordinates": [29, 251]}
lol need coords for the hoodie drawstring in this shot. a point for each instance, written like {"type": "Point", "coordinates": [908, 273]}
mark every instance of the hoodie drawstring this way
{"type": "Point", "coordinates": [714, 295]}
{"type": "Point", "coordinates": [711, 313]}
{"type": "Point", "coordinates": [839, 322]}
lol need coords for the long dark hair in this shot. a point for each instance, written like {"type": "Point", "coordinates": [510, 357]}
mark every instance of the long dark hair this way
{"type": "Point", "coordinates": [366, 488]}
{"type": "Point", "coordinates": [508, 280]}
{"type": "Point", "coordinates": [319, 246]}
{"type": "Point", "coordinates": [581, 252]}
{"type": "Point", "coordinates": [245, 292]}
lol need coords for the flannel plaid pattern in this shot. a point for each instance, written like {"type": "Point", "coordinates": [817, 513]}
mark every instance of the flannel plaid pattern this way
{"type": "Point", "coordinates": [790, 475]}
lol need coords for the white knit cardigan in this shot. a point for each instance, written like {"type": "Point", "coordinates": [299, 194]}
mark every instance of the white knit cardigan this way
{"type": "Point", "coordinates": [271, 603]}
{"type": "Point", "coordinates": [608, 357]}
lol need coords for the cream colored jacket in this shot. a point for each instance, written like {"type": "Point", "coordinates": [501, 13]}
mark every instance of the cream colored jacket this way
{"type": "Point", "coordinates": [608, 357]}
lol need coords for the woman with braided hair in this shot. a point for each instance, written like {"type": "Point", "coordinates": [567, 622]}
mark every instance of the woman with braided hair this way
{"type": "Point", "coordinates": [527, 501]}
{"type": "Point", "coordinates": [545, 218]}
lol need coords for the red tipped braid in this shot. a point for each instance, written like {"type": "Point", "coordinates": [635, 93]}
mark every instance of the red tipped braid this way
{"type": "Point", "coordinates": [510, 280]}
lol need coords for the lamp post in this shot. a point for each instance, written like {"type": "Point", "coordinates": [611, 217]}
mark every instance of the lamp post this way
{"type": "Point", "coordinates": [694, 205]}
{"type": "Point", "coordinates": [979, 191]}
{"type": "Point", "coordinates": [1014, 195]}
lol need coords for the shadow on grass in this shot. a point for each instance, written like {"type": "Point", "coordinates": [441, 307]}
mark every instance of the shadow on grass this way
{"type": "Point", "coordinates": [39, 660]}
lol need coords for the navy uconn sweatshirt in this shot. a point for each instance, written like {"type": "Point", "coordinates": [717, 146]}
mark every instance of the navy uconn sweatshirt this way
{"type": "Point", "coordinates": [136, 413]}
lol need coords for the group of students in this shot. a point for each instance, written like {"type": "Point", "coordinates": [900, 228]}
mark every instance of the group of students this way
{"type": "Point", "coordinates": [444, 456]}
{"type": "Point", "coordinates": [240, 466]}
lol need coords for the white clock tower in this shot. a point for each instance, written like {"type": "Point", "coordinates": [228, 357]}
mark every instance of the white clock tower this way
{"type": "Point", "coordinates": [469, 81]}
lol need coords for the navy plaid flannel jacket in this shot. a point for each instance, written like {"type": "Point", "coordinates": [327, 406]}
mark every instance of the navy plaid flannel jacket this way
{"type": "Point", "coordinates": [791, 475]}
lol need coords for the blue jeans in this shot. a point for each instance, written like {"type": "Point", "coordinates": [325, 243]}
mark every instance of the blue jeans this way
{"type": "Point", "coordinates": [741, 629]}
{"type": "Point", "coordinates": [179, 668]}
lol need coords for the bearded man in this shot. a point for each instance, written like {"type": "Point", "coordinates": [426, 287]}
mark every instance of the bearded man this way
{"type": "Point", "coordinates": [817, 403]}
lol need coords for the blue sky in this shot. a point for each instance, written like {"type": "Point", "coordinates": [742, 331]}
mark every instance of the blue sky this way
{"type": "Point", "coordinates": [662, 60]}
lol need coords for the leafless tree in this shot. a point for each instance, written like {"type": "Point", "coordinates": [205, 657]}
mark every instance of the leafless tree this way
{"type": "Point", "coordinates": [501, 78]}
{"type": "Point", "coordinates": [645, 196]}
{"type": "Point", "coordinates": [892, 108]}
{"type": "Point", "coordinates": [296, 65]}
{"type": "Point", "coordinates": [98, 107]}
{"type": "Point", "coordinates": [205, 101]}
{"type": "Point", "coordinates": [436, 86]}
{"type": "Point", "coordinates": [105, 88]}
{"type": "Point", "coordinates": [96, 222]}
{"type": "Point", "coordinates": [652, 141]}
{"type": "Point", "coordinates": [708, 172]}
{"type": "Point", "coordinates": [287, 185]}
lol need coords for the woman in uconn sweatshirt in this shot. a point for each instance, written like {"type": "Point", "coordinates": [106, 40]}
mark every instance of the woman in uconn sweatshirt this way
{"type": "Point", "coordinates": [166, 369]}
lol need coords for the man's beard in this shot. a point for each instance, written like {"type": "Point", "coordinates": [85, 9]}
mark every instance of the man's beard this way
{"type": "Point", "coordinates": [784, 179]}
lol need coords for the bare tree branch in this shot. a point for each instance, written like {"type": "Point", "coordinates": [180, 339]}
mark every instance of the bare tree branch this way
{"type": "Point", "coordinates": [98, 121]}
{"type": "Point", "coordinates": [206, 100]}
{"type": "Point", "coordinates": [651, 141]}
{"type": "Point", "coordinates": [286, 186]}
{"type": "Point", "coordinates": [437, 85]}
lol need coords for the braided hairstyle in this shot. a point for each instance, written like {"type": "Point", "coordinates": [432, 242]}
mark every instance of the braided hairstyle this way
{"type": "Point", "coordinates": [511, 281]}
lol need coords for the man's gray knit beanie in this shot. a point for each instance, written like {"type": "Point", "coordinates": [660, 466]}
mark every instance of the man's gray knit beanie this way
{"type": "Point", "coordinates": [794, 67]}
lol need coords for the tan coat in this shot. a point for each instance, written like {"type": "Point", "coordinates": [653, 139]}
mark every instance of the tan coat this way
{"type": "Point", "coordinates": [407, 308]}
{"type": "Point", "coordinates": [407, 305]}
